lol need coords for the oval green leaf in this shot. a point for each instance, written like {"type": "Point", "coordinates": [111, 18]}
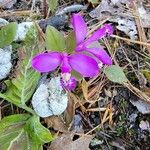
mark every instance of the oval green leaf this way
{"type": "Point", "coordinates": [54, 39]}
{"type": "Point", "coordinates": [70, 42]}
{"type": "Point", "coordinates": [7, 34]}
{"type": "Point", "coordinates": [115, 74]}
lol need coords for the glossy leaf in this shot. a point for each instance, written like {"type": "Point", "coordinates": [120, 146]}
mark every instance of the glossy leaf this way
{"type": "Point", "coordinates": [115, 74]}
{"type": "Point", "coordinates": [54, 39]}
{"type": "Point", "coordinates": [37, 132]}
{"type": "Point", "coordinates": [7, 34]}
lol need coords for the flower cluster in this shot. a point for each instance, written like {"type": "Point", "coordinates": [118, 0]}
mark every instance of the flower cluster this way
{"type": "Point", "coordinates": [86, 65]}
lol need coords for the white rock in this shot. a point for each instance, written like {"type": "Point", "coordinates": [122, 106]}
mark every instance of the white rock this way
{"type": "Point", "coordinates": [3, 22]}
{"type": "Point", "coordinates": [142, 106]}
{"type": "Point", "coordinates": [144, 125]}
{"type": "Point", "coordinates": [22, 30]}
{"type": "Point", "coordinates": [50, 99]}
{"type": "Point", "coordinates": [127, 26]}
{"type": "Point", "coordinates": [7, 3]}
{"type": "Point", "coordinates": [5, 61]}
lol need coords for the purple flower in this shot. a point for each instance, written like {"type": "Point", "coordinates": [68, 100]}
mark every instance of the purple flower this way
{"type": "Point", "coordinates": [79, 62]}
{"type": "Point", "coordinates": [80, 29]}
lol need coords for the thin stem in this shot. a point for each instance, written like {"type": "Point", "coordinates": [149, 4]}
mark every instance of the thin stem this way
{"type": "Point", "coordinates": [28, 109]}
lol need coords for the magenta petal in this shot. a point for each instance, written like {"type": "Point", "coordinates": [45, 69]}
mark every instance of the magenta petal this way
{"type": "Point", "coordinates": [80, 28]}
{"type": "Point", "coordinates": [65, 67]}
{"type": "Point", "coordinates": [46, 62]}
{"type": "Point", "coordinates": [70, 84]}
{"type": "Point", "coordinates": [101, 55]}
{"type": "Point", "coordinates": [100, 33]}
{"type": "Point", "coordinates": [84, 64]}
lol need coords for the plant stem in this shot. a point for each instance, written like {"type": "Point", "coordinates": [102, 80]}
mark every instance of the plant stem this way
{"type": "Point", "coordinates": [28, 109]}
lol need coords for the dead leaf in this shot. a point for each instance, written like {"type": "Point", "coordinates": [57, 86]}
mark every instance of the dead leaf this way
{"type": "Point", "coordinates": [65, 142]}
{"type": "Point", "coordinates": [70, 111]}
{"type": "Point", "coordinates": [117, 12]}
{"type": "Point", "coordinates": [118, 144]}
{"type": "Point", "coordinates": [108, 8]}
{"type": "Point", "coordinates": [57, 123]}
{"type": "Point", "coordinates": [108, 92]}
{"type": "Point", "coordinates": [145, 16]}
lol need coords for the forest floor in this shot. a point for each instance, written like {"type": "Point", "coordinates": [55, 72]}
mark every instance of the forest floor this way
{"type": "Point", "coordinates": [107, 114]}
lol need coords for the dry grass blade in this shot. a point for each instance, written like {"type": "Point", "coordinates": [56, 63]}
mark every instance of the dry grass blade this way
{"type": "Point", "coordinates": [85, 89]}
{"type": "Point", "coordinates": [105, 116]}
{"type": "Point", "coordinates": [141, 31]}
{"type": "Point", "coordinates": [131, 41]}
{"type": "Point", "coordinates": [96, 109]}
{"type": "Point", "coordinates": [137, 92]}
{"type": "Point", "coordinates": [133, 89]}
{"type": "Point", "coordinates": [18, 13]}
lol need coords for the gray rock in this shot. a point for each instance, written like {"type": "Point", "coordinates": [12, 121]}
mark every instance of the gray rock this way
{"type": "Point", "coordinates": [58, 21]}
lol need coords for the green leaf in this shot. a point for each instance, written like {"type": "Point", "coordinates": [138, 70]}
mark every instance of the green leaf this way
{"type": "Point", "coordinates": [54, 39]}
{"type": "Point", "coordinates": [21, 88]}
{"type": "Point", "coordinates": [146, 73]}
{"type": "Point", "coordinates": [7, 34]}
{"type": "Point", "coordinates": [93, 1]}
{"type": "Point", "coordinates": [70, 42]}
{"type": "Point", "coordinates": [52, 5]}
{"type": "Point", "coordinates": [13, 120]}
{"type": "Point", "coordinates": [14, 136]}
{"type": "Point", "coordinates": [31, 37]}
{"type": "Point", "coordinates": [11, 129]}
{"type": "Point", "coordinates": [37, 132]}
{"type": "Point", "coordinates": [115, 74]}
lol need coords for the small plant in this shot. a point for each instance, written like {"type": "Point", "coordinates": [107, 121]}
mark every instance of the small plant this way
{"type": "Point", "coordinates": [86, 65]}
{"type": "Point", "coordinates": [73, 53]}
